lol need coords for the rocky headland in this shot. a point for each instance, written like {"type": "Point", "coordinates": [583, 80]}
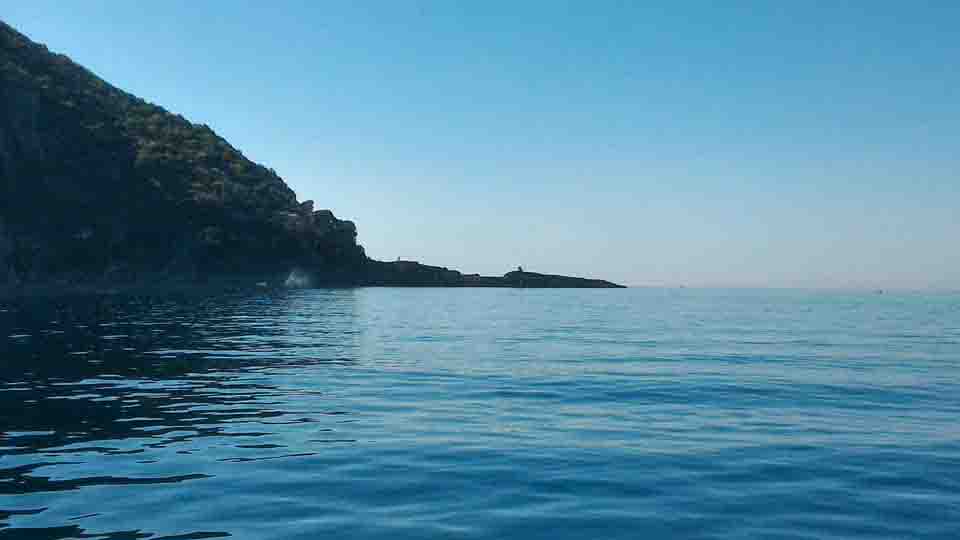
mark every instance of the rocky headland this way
{"type": "Point", "coordinates": [101, 189]}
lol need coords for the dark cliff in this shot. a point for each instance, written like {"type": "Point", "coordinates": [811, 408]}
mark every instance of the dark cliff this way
{"type": "Point", "coordinates": [99, 186]}
{"type": "Point", "coordinates": [96, 183]}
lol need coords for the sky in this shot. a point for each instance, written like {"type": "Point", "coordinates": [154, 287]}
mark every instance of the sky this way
{"type": "Point", "coordinates": [735, 144]}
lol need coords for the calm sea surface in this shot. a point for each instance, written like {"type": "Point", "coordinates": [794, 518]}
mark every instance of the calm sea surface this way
{"type": "Point", "coordinates": [482, 413]}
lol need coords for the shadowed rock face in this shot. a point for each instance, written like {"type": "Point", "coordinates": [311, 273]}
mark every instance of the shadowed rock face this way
{"type": "Point", "coordinates": [100, 187]}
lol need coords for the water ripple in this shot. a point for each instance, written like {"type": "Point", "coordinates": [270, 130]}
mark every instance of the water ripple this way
{"type": "Point", "coordinates": [397, 413]}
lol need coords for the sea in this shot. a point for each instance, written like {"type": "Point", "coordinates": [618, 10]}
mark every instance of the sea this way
{"type": "Point", "coordinates": [402, 413]}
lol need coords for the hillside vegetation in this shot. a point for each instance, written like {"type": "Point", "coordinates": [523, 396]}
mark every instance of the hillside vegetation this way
{"type": "Point", "coordinates": [98, 183]}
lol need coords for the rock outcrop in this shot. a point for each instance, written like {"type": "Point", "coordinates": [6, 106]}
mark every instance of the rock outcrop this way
{"type": "Point", "coordinates": [408, 273]}
{"type": "Point", "coordinates": [98, 186]}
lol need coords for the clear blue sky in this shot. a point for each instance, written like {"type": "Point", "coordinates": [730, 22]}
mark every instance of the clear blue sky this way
{"type": "Point", "coordinates": [695, 143]}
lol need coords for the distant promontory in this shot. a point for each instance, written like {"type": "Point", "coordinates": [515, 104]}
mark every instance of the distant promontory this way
{"type": "Point", "coordinates": [100, 188]}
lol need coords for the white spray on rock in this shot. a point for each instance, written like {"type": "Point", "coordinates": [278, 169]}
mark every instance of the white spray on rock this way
{"type": "Point", "coordinates": [298, 279]}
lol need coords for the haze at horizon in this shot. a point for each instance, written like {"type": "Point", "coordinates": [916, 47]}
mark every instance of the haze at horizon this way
{"type": "Point", "coordinates": [739, 145]}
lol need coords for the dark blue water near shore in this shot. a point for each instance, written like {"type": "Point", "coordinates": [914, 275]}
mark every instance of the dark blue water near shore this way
{"type": "Point", "coordinates": [459, 413]}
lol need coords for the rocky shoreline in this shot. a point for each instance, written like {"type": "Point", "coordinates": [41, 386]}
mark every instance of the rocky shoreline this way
{"type": "Point", "coordinates": [381, 274]}
{"type": "Point", "coordinates": [102, 191]}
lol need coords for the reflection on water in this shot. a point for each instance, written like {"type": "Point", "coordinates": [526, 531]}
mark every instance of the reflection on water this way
{"type": "Point", "coordinates": [384, 413]}
{"type": "Point", "coordinates": [99, 392]}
